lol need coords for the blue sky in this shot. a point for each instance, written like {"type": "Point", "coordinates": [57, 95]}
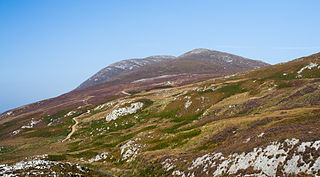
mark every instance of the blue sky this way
{"type": "Point", "coordinates": [49, 47]}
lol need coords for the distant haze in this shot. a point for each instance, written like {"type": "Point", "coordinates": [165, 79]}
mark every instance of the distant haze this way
{"type": "Point", "coordinates": [48, 48]}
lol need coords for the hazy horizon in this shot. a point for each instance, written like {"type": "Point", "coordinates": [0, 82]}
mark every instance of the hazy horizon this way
{"type": "Point", "coordinates": [48, 48]}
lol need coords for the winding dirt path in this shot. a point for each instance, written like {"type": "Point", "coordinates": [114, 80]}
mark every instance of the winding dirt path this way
{"type": "Point", "coordinates": [74, 128]}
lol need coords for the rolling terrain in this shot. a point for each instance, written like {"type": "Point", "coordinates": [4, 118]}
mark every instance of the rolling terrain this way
{"type": "Point", "coordinates": [262, 122]}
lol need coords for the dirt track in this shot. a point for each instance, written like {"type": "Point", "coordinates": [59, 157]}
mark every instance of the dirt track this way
{"type": "Point", "coordinates": [74, 128]}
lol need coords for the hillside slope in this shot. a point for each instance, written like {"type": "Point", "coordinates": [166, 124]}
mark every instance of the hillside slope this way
{"type": "Point", "coordinates": [263, 122]}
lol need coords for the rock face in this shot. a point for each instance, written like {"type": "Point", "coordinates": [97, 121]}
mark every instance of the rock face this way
{"type": "Point", "coordinates": [277, 159]}
{"type": "Point", "coordinates": [124, 111]}
{"type": "Point", "coordinates": [197, 61]}
{"type": "Point", "coordinates": [116, 68]}
{"type": "Point", "coordinates": [41, 166]}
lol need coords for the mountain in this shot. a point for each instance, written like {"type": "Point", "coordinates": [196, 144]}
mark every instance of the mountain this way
{"type": "Point", "coordinates": [197, 61]}
{"type": "Point", "coordinates": [260, 122]}
{"type": "Point", "coordinates": [125, 65]}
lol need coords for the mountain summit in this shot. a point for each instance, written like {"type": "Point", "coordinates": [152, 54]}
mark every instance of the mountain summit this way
{"type": "Point", "coordinates": [230, 61]}
{"type": "Point", "coordinates": [197, 61]}
{"type": "Point", "coordinates": [197, 51]}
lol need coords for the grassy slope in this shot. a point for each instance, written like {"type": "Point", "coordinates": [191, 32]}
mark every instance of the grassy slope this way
{"type": "Point", "coordinates": [221, 114]}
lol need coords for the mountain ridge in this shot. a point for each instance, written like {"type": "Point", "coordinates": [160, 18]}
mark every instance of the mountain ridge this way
{"type": "Point", "coordinates": [207, 56]}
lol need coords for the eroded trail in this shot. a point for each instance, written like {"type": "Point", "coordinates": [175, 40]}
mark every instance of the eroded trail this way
{"type": "Point", "coordinates": [74, 128]}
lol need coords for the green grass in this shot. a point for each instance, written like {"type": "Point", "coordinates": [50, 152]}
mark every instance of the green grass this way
{"type": "Point", "coordinates": [181, 122]}
{"type": "Point", "coordinates": [146, 102]}
{"type": "Point", "coordinates": [58, 130]}
{"type": "Point", "coordinates": [121, 139]}
{"type": "Point", "coordinates": [124, 122]}
{"type": "Point", "coordinates": [134, 92]}
{"type": "Point", "coordinates": [188, 134]}
{"type": "Point", "coordinates": [8, 125]}
{"type": "Point", "coordinates": [188, 118]}
{"type": "Point", "coordinates": [168, 114]}
{"type": "Point", "coordinates": [161, 145]}
{"type": "Point", "coordinates": [60, 114]}
{"type": "Point", "coordinates": [160, 87]}
{"type": "Point", "coordinates": [311, 73]}
{"type": "Point", "coordinates": [14, 123]}
{"type": "Point", "coordinates": [85, 154]}
{"type": "Point", "coordinates": [206, 91]}
{"type": "Point", "coordinates": [233, 89]}
{"type": "Point", "coordinates": [57, 157]}
{"type": "Point", "coordinates": [107, 141]}
{"type": "Point", "coordinates": [110, 138]}
{"type": "Point", "coordinates": [278, 76]}
{"type": "Point", "coordinates": [175, 141]}
{"type": "Point", "coordinates": [284, 85]}
{"type": "Point", "coordinates": [5, 149]}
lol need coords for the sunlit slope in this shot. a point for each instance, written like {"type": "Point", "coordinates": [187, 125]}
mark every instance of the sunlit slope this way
{"type": "Point", "coordinates": [263, 122]}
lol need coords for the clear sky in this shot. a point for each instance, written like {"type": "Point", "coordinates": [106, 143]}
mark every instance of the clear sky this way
{"type": "Point", "coordinates": [49, 47]}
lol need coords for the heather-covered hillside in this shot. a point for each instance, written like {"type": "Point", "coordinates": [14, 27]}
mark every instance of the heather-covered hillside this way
{"type": "Point", "coordinates": [263, 122]}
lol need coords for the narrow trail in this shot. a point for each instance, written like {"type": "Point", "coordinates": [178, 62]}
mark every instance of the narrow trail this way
{"type": "Point", "coordinates": [85, 101]}
{"type": "Point", "coordinates": [126, 93]}
{"type": "Point", "coordinates": [74, 128]}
